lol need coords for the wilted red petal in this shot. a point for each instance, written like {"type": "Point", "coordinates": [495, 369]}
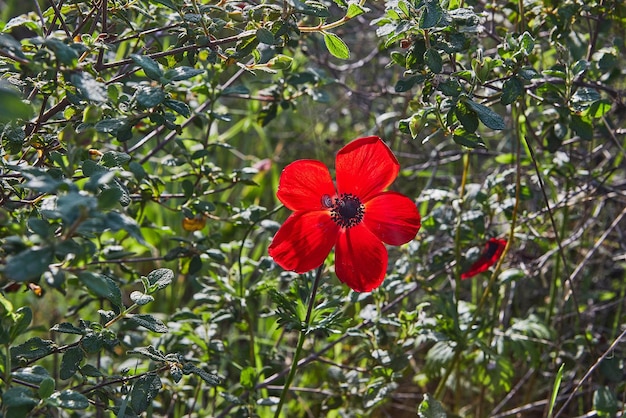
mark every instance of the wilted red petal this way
{"type": "Point", "coordinates": [360, 259]}
{"type": "Point", "coordinates": [303, 242]}
{"type": "Point", "coordinates": [365, 167]}
{"type": "Point", "coordinates": [490, 256]}
{"type": "Point", "coordinates": [392, 217]}
{"type": "Point", "coordinates": [303, 183]}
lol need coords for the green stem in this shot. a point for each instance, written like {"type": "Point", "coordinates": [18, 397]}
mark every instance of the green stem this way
{"type": "Point", "coordinates": [303, 332]}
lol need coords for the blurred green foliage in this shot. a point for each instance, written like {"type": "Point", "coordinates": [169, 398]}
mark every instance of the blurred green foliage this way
{"type": "Point", "coordinates": [141, 147]}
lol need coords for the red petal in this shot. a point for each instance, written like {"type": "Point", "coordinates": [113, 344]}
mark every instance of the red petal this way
{"type": "Point", "coordinates": [303, 242]}
{"type": "Point", "coordinates": [490, 256]}
{"type": "Point", "coordinates": [303, 183]}
{"type": "Point", "coordinates": [392, 217]}
{"type": "Point", "coordinates": [365, 167]}
{"type": "Point", "coordinates": [360, 259]}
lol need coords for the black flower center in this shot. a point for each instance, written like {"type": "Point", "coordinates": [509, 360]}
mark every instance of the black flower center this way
{"type": "Point", "coordinates": [346, 210]}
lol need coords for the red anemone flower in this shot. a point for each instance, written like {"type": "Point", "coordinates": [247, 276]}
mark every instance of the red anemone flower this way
{"type": "Point", "coordinates": [356, 216]}
{"type": "Point", "coordinates": [490, 256]}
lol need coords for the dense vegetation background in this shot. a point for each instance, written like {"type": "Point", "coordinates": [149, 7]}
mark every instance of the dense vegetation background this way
{"type": "Point", "coordinates": [141, 147]}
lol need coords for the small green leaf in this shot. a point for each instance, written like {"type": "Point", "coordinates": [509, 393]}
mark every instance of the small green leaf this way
{"type": "Point", "coordinates": [111, 126]}
{"type": "Point", "coordinates": [209, 378]}
{"type": "Point", "coordinates": [69, 399]}
{"type": "Point", "coordinates": [182, 73]}
{"type": "Point", "coordinates": [19, 396]}
{"type": "Point", "coordinates": [511, 90]}
{"type": "Point", "coordinates": [336, 46]}
{"type": "Point", "coordinates": [102, 286]}
{"type": "Point", "coordinates": [140, 298]}
{"type": "Point", "coordinates": [149, 322]}
{"type": "Point", "coordinates": [177, 106]}
{"type": "Point", "coordinates": [34, 348]}
{"type": "Point", "coordinates": [70, 362]}
{"type": "Point", "coordinates": [487, 116]}
{"type": "Point", "coordinates": [354, 10]}
{"type": "Point", "coordinates": [145, 389]}
{"type": "Point", "coordinates": [149, 96]}
{"type": "Point", "coordinates": [88, 87]}
{"type": "Point", "coordinates": [114, 159]}
{"type": "Point", "coordinates": [527, 43]}
{"type": "Point", "coordinates": [407, 84]}
{"type": "Point", "coordinates": [150, 352]}
{"type": "Point", "coordinates": [11, 105]}
{"type": "Point", "coordinates": [467, 139]}
{"type": "Point", "coordinates": [30, 264]}
{"type": "Point", "coordinates": [432, 13]}
{"type": "Point", "coordinates": [46, 387]}
{"type": "Point", "coordinates": [248, 377]}
{"type": "Point", "coordinates": [466, 116]}
{"type": "Point", "coordinates": [430, 408]}
{"type": "Point", "coordinates": [598, 109]}
{"type": "Point", "coordinates": [265, 36]}
{"type": "Point", "coordinates": [33, 374]}
{"type": "Point", "coordinates": [176, 372]}
{"type": "Point", "coordinates": [63, 52]}
{"type": "Point", "coordinates": [605, 401]}
{"type": "Point", "coordinates": [22, 319]}
{"type": "Point", "coordinates": [160, 278]}
{"type": "Point", "coordinates": [433, 60]}
{"type": "Point", "coordinates": [149, 66]}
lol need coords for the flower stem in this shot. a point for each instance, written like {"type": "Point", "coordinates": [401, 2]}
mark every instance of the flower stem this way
{"type": "Point", "coordinates": [303, 332]}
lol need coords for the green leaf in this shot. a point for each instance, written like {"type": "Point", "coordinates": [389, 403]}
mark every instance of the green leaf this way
{"type": "Point", "coordinates": [527, 43]}
{"type": "Point", "coordinates": [433, 60]}
{"type": "Point", "coordinates": [605, 401]}
{"type": "Point", "coordinates": [511, 90]}
{"type": "Point", "coordinates": [182, 73]}
{"type": "Point", "coordinates": [145, 389]}
{"type": "Point", "coordinates": [140, 298]}
{"type": "Point", "coordinates": [407, 84]}
{"type": "Point", "coordinates": [46, 387]}
{"type": "Point", "coordinates": [467, 139]}
{"type": "Point", "coordinates": [466, 116]}
{"type": "Point", "coordinates": [150, 352]}
{"type": "Point", "coordinates": [430, 408]}
{"type": "Point", "coordinates": [432, 14]}
{"type": "Point", "coordinates": [33, 374]}
{"type": "Point", "coordinates": [159, 279]}
{"type": "Point", "coordinates": [19, 396]}
{"type": "Point", "coordinates": [311, 8]}
{"type": "Point", "coordinates": [28, 265]}
{"type": "Point", "coordinates": [149, 66]}
{"type": "Point", "coordinates": [487, 116]}
{"type": "Point", "coordinates": [32, 349]}
{"type": "Point", "coordinates": [114, 159]}
{"type": "Point", "coordinates": [336, 46]}
{"type": "Point", "coordinates": [149, 97]}
{"type": "Point", "coordinates": [70, 362]}
{"type": "Point", "coordinates": [69, 399]}
{"type": "Point", "coordinates": [111, 125]}
{"type": "Point", "coordinates": [354, 10]}
{"type": "Point", "coordinates": [582, 127]}
{"type": "Point", "coordinates": [598, 109]}
{"type": "Point", "coordinates": [117, 222]}
{"type": "Point", "coordinates": [177, 106]}
{"type": "Point", "coordinates": [248, 377]}
{"type": "Point", "coordinates": [555, 389]}
{"type": "Point", "coordinates": [89, 88]}
{"type": "Point", "coordinates": [102, 286]}
{"type": "Point", "coordinates": [209, 378]}
{"type": "Point", "coordinates": [11, 105]}
{"type": "Point", "coordinates": [22, 319]}
{"type": "Point", "coordinates": [149, 322]}
{"type": "Point", "coordinates": [265, 36]}
{"type": "Point", "coordinates": [65, 54]}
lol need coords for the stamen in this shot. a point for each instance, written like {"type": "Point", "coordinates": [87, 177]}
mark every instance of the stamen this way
{"type": "Point", "coordinates": [347, 210]}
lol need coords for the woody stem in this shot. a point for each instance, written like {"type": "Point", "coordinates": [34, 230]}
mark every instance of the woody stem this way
{"type": "Point", "coordinates": [303, 332]}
